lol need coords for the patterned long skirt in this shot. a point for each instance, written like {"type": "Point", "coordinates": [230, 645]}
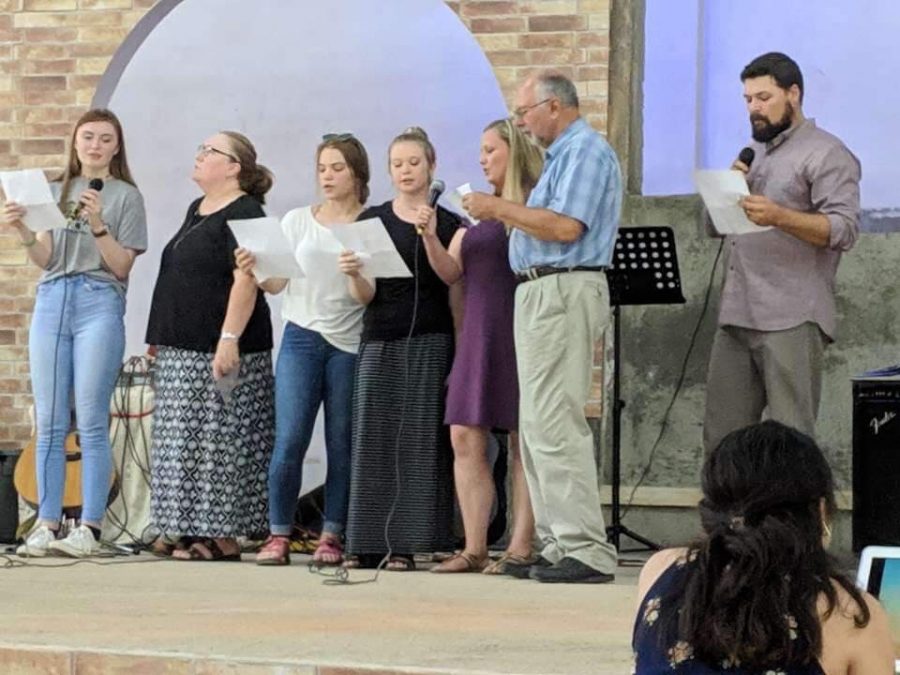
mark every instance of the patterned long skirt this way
{"type": "Point", "coordinates": [401, 448]}
{"type": "Point", "coordinates": [211, 453]}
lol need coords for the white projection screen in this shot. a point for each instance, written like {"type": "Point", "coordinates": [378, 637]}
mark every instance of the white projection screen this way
{"type": "Point", "coordinates": [284, 73]}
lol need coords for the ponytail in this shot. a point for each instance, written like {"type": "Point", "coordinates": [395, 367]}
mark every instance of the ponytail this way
{"type": "Point", "coordinates": [752, 583]}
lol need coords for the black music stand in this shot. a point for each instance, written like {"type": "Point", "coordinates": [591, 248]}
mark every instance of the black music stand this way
{"type": "Point", "coordinates": [644, 271]}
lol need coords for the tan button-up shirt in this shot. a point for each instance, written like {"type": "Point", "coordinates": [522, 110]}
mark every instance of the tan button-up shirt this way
{"type": "Point", "coordinates": [774, 281]}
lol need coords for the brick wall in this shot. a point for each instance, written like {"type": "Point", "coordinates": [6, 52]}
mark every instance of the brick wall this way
{"type": "Point", "coordinates": [52, 53]}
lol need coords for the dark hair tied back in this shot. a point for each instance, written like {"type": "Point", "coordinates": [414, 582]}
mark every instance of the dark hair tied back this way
{"type": "Point", "coordinates": [761, 569]}
{"type": "Point", "coordinates": [356, 157]}
{"type": "Point", "coordinates": [254, 178]}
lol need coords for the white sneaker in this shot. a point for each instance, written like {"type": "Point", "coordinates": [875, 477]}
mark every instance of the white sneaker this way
{"type": "Point", "coordinates": [79, 544]}
{"type": "Point", "coordinates": [37, 543]}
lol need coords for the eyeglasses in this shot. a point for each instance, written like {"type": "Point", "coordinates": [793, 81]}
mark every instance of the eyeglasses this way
{"type": "Point", "coordinates": [345, 136]}
{"type": "Point", "coordinates": [519, 113]}
{"type": "Point", "coordinates": [206, 150]}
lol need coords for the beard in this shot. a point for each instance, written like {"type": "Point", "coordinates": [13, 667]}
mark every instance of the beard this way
{"type": "Point", "coordinates": [766, 131]}
{"type": "Point", "coordinates": [542, 143]}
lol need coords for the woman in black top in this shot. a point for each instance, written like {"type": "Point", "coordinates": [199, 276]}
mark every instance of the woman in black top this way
{"type": "Point", "coordinates": [402, 462]}
{"type": "Point", "coordinates": [214, 423]}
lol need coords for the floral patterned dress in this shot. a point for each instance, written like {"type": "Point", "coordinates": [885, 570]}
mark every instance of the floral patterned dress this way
{"type": "Point", "coordinates": [671, 656]}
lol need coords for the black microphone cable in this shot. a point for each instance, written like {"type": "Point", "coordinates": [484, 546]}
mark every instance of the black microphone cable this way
{"type": "Point", "coordinates": [94, 184]}
{"type": "Point", "coordinates": [42, 483]}
{"type": "Point", "coordinates": [664, 425]}
{"type": "Point", "coordinates": [341, 576]}
{"type": "Point", "coordinates": [745, 156]}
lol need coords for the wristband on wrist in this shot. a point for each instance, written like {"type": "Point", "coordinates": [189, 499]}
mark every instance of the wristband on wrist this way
{"type": "Point", "coordinates": [31, 242]}
{"type": "Point", "coordinates": [229, 336]}
{"type": "Point", "coordinates": [101, 233]}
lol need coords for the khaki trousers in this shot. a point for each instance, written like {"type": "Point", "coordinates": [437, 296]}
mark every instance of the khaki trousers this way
{"type": "Point", "coordinates": [752, 370]}
{"type": "Point", "coordinates": [558, 319]}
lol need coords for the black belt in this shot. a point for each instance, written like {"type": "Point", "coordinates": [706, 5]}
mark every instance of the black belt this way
{"type": "Point", "coordinates": [533, 273]}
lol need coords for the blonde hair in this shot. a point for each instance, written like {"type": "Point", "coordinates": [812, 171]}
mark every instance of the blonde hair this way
{"type": "Point", "coordinates": [526, 160]}
{"type": "Point", "coordinates": [415, 135]}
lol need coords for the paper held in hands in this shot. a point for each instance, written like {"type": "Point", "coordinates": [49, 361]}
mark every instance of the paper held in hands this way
{"type": "Point", "coordinates": [265, 239]}
{"type": "Point", "coordinates": [721, 192]}
{"type": "Point", "coordinates": [29, 188]}
{"type": "Point", "coordinates": [454, 198]}
{"type": "Point", "coordinates": [374, 246]}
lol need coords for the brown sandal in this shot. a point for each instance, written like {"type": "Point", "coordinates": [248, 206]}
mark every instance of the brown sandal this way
{"type": "Point", "coordinates": [499, 565]}
{"type": "Point", "coordinates": [469, 564]}
{"type": "Point", "coordinates": [164, 549]}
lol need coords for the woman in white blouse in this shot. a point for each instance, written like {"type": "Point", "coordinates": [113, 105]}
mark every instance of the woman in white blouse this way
{"type": "Point", "coordinates": [317, 359]}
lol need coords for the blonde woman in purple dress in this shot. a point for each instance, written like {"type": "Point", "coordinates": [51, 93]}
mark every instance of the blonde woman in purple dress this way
{"type": "Point", "coordinates": [483, 391]}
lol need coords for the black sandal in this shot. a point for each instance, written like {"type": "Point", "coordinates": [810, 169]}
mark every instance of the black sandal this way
{"type": "Point", "coordinates": [216, 554]}
{"type": "Point", "coordinates": [400, 563]}
{"type": "Point", "coordinates": [164, 549]}
{"type": "Point", "coordinates": [363, 561]}
{"type": "Point", "coordinates": [371, 561]}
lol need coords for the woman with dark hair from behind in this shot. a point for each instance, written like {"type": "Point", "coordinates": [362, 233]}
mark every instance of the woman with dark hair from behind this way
{"type": "Point", "coordinates": [213, 427]}
{"type": "Point", "coordinates": [758, 592]}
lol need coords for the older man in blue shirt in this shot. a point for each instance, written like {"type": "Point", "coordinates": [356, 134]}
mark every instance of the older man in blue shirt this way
{"type": "Point", "coordinates": [562, 240]}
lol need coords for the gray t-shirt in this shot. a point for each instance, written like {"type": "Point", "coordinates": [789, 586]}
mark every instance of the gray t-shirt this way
{"type": "Point", "coordinates": [75, 249]}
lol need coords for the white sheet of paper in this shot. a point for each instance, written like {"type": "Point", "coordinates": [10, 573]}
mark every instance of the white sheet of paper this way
{"type": "Point", "coordinates": [454, 198]}
{"type": "Point", "coordinates": [30, 189]}
{"type": "Point", "coordinates": [374, 246]}
{"type": "Point", "coordinates": [265, 239]}
{"type": "Point", "coordinates": [721, 191]}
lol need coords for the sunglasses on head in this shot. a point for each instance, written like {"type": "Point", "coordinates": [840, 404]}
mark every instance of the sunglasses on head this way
{"type": "Point", "coordinates": [345, 136]}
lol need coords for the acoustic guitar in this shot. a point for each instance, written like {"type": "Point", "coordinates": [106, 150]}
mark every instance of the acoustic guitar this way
{"type": "Point", "coordinates": [25, 477]}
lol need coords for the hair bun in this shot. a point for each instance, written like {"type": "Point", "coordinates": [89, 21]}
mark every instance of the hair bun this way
{"type": "Point", "coordinates": [259, 182]}
{"type": "Point", "coordinates": [415, 131]}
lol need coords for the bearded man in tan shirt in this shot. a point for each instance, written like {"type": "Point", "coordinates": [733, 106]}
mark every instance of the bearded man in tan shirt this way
{"type": "Point", "coordinates": [777, 309]}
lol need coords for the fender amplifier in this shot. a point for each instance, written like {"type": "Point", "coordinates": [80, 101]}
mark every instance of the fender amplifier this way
{"type": "Point", "coordinates": [876, 463]}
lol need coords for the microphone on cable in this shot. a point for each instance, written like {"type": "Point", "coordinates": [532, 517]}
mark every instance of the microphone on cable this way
{"type": "Point", "coordinates": [746, 156]}
{"type": "Point", "coordinates": [434, 193]}
{"type": "Point", "coordinates": [95, 184]}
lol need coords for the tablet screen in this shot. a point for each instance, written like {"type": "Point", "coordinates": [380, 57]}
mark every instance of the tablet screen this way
{"type": "Point", "coordinates": [884, 584]}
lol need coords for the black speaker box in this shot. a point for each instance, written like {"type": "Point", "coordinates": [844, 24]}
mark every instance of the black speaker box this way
{"type": "Point", "coordinates": [9, 498]}
{"type": "Point", "coordinates": [876, 463]}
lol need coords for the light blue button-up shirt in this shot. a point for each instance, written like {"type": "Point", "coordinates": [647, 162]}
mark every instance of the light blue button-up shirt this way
{"type": "Point", "coordinates": [581, 179]}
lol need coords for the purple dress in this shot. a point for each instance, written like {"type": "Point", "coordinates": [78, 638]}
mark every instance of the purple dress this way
{"type": "Point", "coordinates": [483, 388]}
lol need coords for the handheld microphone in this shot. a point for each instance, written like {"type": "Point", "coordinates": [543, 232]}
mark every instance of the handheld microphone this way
{"type": "Point", "coordinates": [434, 193]}
{"type": "Point", "coordinates": [746, 156]}
{"type": "Point", "coordinates": [95, 184]}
